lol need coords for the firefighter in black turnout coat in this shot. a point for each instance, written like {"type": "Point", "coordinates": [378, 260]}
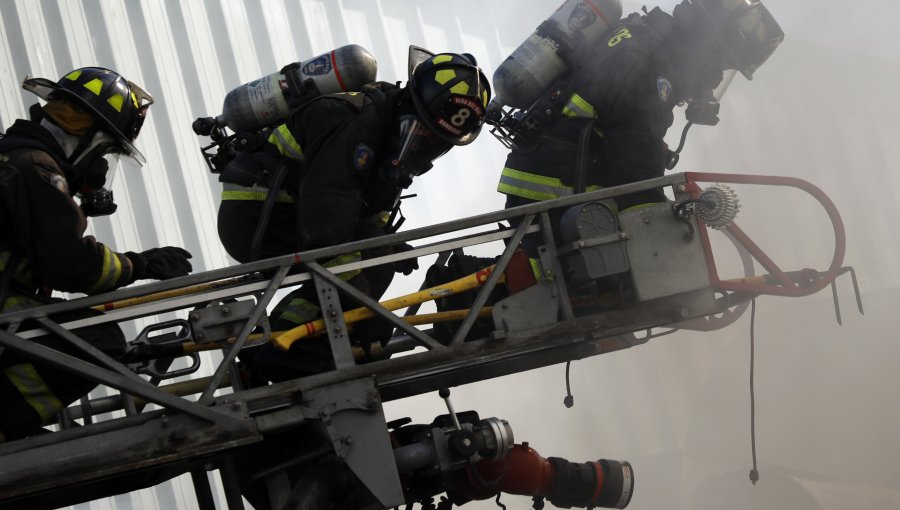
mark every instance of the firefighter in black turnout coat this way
{"type": "Point", "coordinates": [346, 157]}
{"type": "Point", "coordinates": [92, 116]}
{"type": "Point", "coordinates": [616, 105]}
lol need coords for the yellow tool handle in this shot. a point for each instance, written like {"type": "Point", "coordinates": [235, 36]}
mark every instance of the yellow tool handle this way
{"type": "Point", "coordinates": [124, 303]}
{"type": "Point", "coordinates": [286, 339]}
{"type": "Point", "coordinates": [415, 320]}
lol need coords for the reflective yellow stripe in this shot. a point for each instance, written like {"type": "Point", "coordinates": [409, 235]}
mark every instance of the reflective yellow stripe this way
{"type": "Point", "coordinates": [536, 269]}
{"type": "Point", "coordinates": [253, 193]}
{"type": "Point", "coordinates": [94, 86]}
{"type": "Point", "coordinates": [300, 311]}
{"type": "Point", "coordinates": [284, 141]}
{"type": "Point", "coordinates": [23, 273]}
{"type": "Point", "coordinates": [14, 303]}
{"type": "Point", "coordinates": [578, 107]}
{"type": "Point", "coordinates": [534, 186]}
{"type": "Point", "coordinates": [116, 101]}
{"type": "Point", "coordinates": [34, 390]}
{"type": "Point", "coordinates": [345, 259]}
{"type": "Point", "coordinates": [110, 274]}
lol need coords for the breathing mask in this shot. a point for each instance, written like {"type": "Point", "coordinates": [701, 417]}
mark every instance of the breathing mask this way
{"type": "Point", "coordinates": [97, 166]}
{"type": "Point", "coordinates": [417, 147]}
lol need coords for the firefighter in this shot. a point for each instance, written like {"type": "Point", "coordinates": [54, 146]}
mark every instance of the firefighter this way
{"type": "Point", "coordinates": [69, 148]}
{"type": "Point", "coordinates": [342, 161]}
{"type": "Point", "coordinates": [616, 105]}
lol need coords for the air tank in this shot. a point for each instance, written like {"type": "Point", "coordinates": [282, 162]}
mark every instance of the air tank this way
{"type": "Point", "coordinates": [268, 100]}
{"type": "Point", "coordinates": [549, 51]}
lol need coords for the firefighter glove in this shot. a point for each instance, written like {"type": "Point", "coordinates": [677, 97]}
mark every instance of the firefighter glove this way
{"type": "Point", "coordinates": [405, 266]}
{"type": "Point", "coordinates": [160, 263]}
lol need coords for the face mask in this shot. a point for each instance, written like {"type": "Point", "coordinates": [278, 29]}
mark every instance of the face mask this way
{"type": "Point", "coordinates": [98, 166]}
{"type": "Point", "coordinates": [418, 146]}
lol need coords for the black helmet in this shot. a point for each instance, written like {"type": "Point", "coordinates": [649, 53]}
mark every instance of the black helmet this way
{"type": "Point", "coordinates": [118, 104]}
{"type": "Point", "coordinates": [450, 94]}
{"type": "Point", "coordinates": [747, 30]}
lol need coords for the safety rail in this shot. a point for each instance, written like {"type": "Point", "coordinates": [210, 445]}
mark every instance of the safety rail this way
{"type": "Point", "coordinates": [184, 431]}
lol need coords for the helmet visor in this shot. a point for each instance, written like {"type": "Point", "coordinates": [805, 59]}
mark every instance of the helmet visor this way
{"type": "Point", "coordinates": [416, 56]}
{"type": "Point", "coordinates": [758, 35]}
{"type": "Point", "coordinates": [419, 146]}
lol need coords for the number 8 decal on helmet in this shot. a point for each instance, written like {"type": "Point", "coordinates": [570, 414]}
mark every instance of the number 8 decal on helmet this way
{"type": "Point", "coordinates": [450, 94]}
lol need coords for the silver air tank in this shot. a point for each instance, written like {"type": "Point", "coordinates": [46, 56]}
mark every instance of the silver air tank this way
{"type": "Point", "coordinates": [547, 53]}
{"type": "Point", "coordinates": [268, 100]}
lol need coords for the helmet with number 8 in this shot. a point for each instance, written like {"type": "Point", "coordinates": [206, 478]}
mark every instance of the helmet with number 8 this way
{"type": "Point", "coordinates": [450, 94]}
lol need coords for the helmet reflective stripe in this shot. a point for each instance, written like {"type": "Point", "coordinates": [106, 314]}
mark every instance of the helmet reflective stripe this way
{"type": "Point", "coordinates": [232, 191]}
{"type": "Point", "coordinates": [284, 141]}
{"type": "Point", "coordinates": [578, 107]}
{"type": "Point", "coordinates": [34, 390]}
{"type": "Point", "coordinates": [116, 102]}
{"type": "Point", "coordinates": [534, 186]}
{"type": "Point", "coordinates": [116, 272]}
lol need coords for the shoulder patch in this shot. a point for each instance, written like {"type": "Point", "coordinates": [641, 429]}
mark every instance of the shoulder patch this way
{"type": "Point", "coordinates": [362, 157]}
{"type": "Point", "coordinates": [59, 182]}
{"type": "Point", "coordinates": [664, 88]}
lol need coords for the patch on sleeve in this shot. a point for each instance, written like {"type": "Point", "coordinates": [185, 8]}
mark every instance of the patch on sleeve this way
{"type": "Point", "coordinates": [664, 87]}
{"type": "Point", "coordinates": [363, 156]}
{"type": "Point", "coordinates": [59, 182]}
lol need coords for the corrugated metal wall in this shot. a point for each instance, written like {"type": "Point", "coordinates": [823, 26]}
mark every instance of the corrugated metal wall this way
{"type": "Point", "coordinates": [815, 111]}
{"type": "Point", "coordinates": [189, 54]}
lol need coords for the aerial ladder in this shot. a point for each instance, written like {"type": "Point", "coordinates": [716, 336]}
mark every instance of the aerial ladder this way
{"type": "Point", "coordinates": [606, 282]}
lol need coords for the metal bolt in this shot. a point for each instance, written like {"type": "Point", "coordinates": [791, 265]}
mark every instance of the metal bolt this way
{"type": "Point", "coordinates": [236, 405]}
{"type": "Point", "coordinates": [165, 421]}
{"type": "Point", "coordinates": [347, 440]}
{"type": "Point", "coordinates": [226, 310]}
{"type": "Point", "coordinates": [647, 221]}
{"type": "Point", "coordinates": [200, 336]}
{"type": "Point", "coordinates": [467, 442]}
{"type": "Point", "coordinates": [195, 317]}
{"type": "Point", "coordinates": [581, 244]}
{"type": "Point", "coordinates": [682, 188]}
{"type": "Point", "coordinates": [684, 312]}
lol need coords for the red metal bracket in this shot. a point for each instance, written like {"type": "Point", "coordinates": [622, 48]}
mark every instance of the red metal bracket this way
{"type": "Point", "coordinates": [777, 282]}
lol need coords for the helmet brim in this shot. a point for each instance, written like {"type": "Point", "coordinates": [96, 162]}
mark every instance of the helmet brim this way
{"type": "Point", "coordinates": [46, 89]}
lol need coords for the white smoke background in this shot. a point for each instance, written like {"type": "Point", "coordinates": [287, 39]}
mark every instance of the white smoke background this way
{"type": "Point", "coordinates": [825, 109]}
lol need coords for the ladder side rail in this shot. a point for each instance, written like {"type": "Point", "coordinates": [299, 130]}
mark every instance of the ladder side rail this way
{"type": "Point", "coordinates": [332, 251]}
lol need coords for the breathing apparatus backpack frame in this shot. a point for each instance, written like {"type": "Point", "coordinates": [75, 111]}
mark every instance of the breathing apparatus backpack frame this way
{"type": "Point", "coordinates": [225, 147]}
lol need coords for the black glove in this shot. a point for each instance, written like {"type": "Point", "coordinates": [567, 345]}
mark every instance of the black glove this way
{"type": "Point", "coordinates": [405, 266]}
{"type": "Point", "coordinates": [160, 263]}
